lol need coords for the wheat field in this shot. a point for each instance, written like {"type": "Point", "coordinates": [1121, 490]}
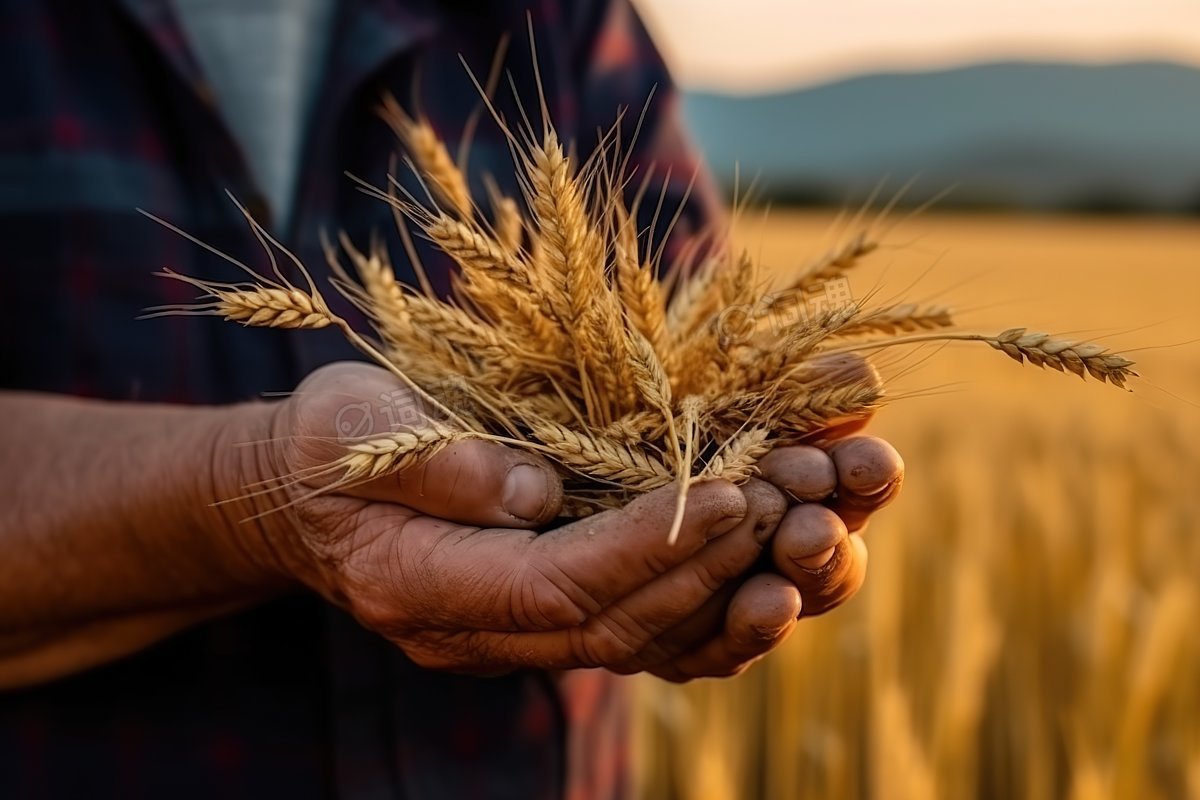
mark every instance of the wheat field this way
{"type": "Point", "coordinates": [1028, 627]}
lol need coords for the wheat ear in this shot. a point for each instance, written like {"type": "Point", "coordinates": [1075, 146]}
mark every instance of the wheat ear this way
{"type": "Point", "coordinates": [1039, 349]}
{"type": "Point", "coordinates": [430, 155]}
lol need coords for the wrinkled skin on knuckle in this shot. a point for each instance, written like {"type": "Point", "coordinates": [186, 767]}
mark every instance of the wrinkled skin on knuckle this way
{"type": "Point", "coordinates": [370, 568]}
{"type": "Point", "coordinates": [543, 597]}
{"type": "Point", "coordinates": [602, 643]}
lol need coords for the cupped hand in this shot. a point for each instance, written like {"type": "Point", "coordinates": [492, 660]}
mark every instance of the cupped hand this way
{"type": "Point", "coordinates": [817, 559]}
{"type": "Point", "coordinates": [442, 560]}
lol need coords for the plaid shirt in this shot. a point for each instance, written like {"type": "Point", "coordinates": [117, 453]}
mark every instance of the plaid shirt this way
{"type": "Point", "coordinates": [104, 111]}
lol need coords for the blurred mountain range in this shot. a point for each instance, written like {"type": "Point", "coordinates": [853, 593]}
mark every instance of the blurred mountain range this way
{"type": "Point", "coordinates": [1117, 137]}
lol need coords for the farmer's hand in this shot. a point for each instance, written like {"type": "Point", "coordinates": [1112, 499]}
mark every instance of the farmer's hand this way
{"type": "Point", "coordinates": [838, 483]}
{"type": "Point", "coordinates": [818, 557]}
{"type": "Point", "coordinates": [817, 560]}
{"type": "Point", "coordinates": [464, 596]}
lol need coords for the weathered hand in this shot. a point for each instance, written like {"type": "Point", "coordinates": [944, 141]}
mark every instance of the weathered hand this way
{"type": "Point", "coordinates": [819, 545]}
{"type": "Point", "coordinates": [463, 596]}
{"type": "Point", "coordinates": [818, 558]}
{"type": "Point", "coordinates": [413, 555]}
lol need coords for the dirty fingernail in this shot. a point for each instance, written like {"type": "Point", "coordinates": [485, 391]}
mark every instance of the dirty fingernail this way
{"type": "Point", "coordinates": [817, 560]}
{"type": "Point", "coordinates": [526, 491]}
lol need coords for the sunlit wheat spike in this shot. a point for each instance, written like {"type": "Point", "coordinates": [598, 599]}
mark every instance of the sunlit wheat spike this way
{"type": "Point", "coordinates": [900, 318]}
{"type": "Point", "coordinates": [736, 459]}
{"type": "Point", "coordinates": [789, 350]}
{"type": "Point", "coordinates": [602, 458]}
{"type": "Point", "coordinates": [823, 407]}
{"type": "Point", "coordinates": [638, 426]}
{"type": "Point", "coordinates": [475, 250]}
{"type": "Point", "coordinates": [272, 308]}
{"type": "Point", "coordinates": [258, 306]}
{"type": "Point", "coordinates": [509, 225]}
{"type": "Point", "coordinates": [378, 277]}
{"type": "Point", "coordinates": [430, 155]}
{"type": "Point", "coordinates": [650, 378]}
{"type": "Point", "coordinates": [574, 254]}
{"type": "Point", "coordinates": [1043, 350]}
{"type": "Point", "coordinates": [836, 262]}
{"type": "Point", "coordinates": [394, 452]}
{"type": "Point", "coordinates": [641, 294]}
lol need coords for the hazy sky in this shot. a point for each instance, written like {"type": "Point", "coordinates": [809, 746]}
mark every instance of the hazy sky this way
{"type": "Point", "coordinates": [747, 45]}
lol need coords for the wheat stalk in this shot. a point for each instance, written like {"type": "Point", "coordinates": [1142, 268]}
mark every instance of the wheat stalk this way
{"type": "Point", "coordinates": [1039, 349]}
{"type": "Point", "coordinates": [560, 340]}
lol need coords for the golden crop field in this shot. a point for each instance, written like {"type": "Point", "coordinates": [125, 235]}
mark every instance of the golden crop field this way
{"type": "Point", "coordinates": [1029, 624]}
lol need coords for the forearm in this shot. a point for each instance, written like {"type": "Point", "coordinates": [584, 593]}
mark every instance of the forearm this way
{"type": "Point", "coordinates": [108, 532]}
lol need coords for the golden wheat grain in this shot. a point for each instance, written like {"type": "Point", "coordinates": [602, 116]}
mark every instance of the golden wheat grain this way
{"type": "Point", "coordinates": [737, 458]}
{"type": "Point", "coordinates": [640, 292]}
{"type": "Point", "coordinates": [637, 426]}
{"type": "Point", "coordinates": [430, 155]}
{"type": "Point", "coordinates": [474, 250]}
{"type": "Point", "coordinates": [602, 458]}
{"type": "Point", "coordinates": [559, 338]}
{"type": "Point", "coordinates": [509, 225]}
{"type": "Point", "coordinates": [271, 308]}
{"type": "Point", "coordinates": [825, 407]}
{"type": "Point", "coordinates": [518, 310]}
{"type": "Point", "coordinates": [835, 263]}
{"type": "Point", "coordinates": [395, 451]}
{"type": "Point", "coordinates": [258, 306]}
{"type": "Point", "coordinates": [387, 304]}
{"type": "Point", "coordinates": [1043, 350]}
{"type": "Point", "coordinates": [899, 318]}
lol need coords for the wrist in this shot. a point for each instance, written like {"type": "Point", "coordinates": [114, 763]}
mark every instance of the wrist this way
{"type": "Point", "coordinates": [253, 532]}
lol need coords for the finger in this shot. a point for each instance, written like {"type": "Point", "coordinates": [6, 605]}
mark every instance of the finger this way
{"type": "Point", "coordinates": [813, 549]}
{"type": "Point", "coordinates": [618, 633]}
{"type": "Point", "coordinates": [603, 558]}
{"type": "Point", "coordinates": [703, 624]}
{"type": "Point", "coordinates": [806, 473]}
{"type": "Point", "coordinates": [870, 473]}
{"type": "Point", "coordinates": [761, 615]}
{"type": "Point", "coordinates": [497, 579]}
{"type": "Point", "coordinates": [474, 482]}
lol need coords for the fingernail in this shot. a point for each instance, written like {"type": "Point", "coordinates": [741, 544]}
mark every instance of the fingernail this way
{"type": "Point", "coordinates": [724, 525]}
{"type": "Point", "coordinates": [815, 561]}
{"type": "Point", "coordinates": [769, 633]}
{"type": "Point", "coordinates": [525, 491]}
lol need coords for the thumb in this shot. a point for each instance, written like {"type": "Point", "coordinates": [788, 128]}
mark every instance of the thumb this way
{"type": "Point", "coordinates": [472, 482]}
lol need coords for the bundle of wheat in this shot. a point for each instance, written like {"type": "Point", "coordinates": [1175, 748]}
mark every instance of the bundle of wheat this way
{"type": "Point", "coordinates": [561, 339]}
